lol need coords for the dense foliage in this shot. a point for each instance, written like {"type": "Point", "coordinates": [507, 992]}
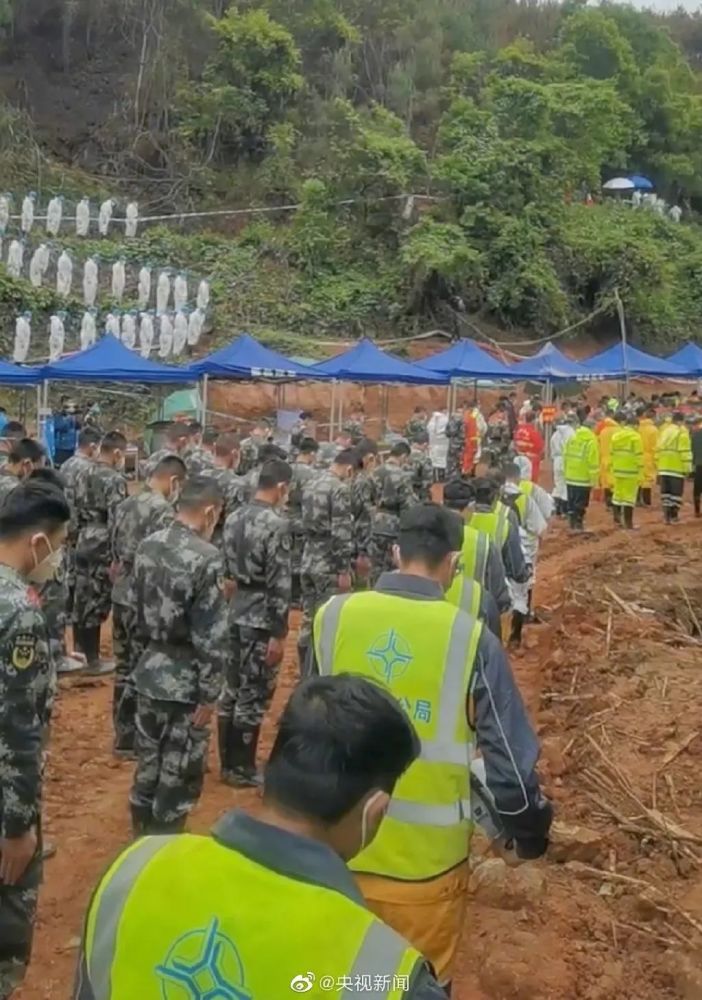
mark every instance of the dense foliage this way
{"type": "Point", "coordinates": [498, 114]}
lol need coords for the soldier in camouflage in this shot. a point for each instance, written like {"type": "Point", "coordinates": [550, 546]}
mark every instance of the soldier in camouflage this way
{"type": "Point", "coordinates": [303, 472]}
{"type": "Point", "coordinates": [327, 556]}
{"type": "Point", "coordinates": [306, 427]}
{"type": "Point", "coordinates": [25, 456]}
{"type": "Point", "coordinates": [181, 621]}
{"type": "Point", "coordinates": [328, 450]}
{"type": "Point", "coordinates": [250, 446]}
{"type": "Point", "coordinates": [393, 495]}
{"type": "Point", "coordinates": [355, 423]}
{"type": "Point", "coordinates": [363, 500]}
{"type": "Point", "coordinates": [257, 552]}
{"type": "Point", "coordinates": [235, 489]}
{"type": "Point", "coordinates": [199, 455]}
{"type": "Point", "coordinates": [421, 469]}
{"type": "Point", "coordinates": [138, 517]}
{"type": "Point", "coordinates": [417, 424]}
{"type": "Point", "coordinates": [99, 493]}
{"type": "Point", "coordinates": [456, 434]}
{"type": "Point", "coordinates": [177, 440]}
{"type": "Point", "coordinates": [11, 432]}
{"type": "Point", "coordinates": [33, 525]}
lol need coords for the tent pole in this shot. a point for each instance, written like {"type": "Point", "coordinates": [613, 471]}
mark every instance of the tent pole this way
{"type": "Point", "coordinates": [205, 386]}
{"type": "Point", "coordinates": [331, 410]}
{"type": "Point", "coordinates": [39, 392]}
{"type": "Point", "coordinates": [622, 328]}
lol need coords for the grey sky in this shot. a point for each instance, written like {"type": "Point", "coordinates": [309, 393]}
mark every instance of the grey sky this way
{"type": "Point", "coordinates": [669, 4]}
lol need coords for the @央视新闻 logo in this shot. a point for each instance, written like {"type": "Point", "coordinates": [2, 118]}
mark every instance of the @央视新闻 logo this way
{"type": "Point", "coordinates": [203, 965]}
{"type": "Point", "coordinates": [390, 655]}
{"type": "Point", "coordinates": [302, 984]}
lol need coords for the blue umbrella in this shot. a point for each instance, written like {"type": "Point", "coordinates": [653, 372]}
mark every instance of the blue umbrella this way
{"type": "Point", "coordinates": [641, 183]}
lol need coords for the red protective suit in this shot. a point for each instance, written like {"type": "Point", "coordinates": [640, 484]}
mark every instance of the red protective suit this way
{"type": "Point", "coordinates": [471, 437]}
{"type": "Point", "coordinates": [529, 441]}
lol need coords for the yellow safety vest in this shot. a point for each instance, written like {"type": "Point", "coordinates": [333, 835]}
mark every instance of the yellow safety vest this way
{"type": "Point", "coordinates": [526, 486]}
{"type": "Point", "coordinates": [494, 523]}
{"type": "Point", "coordinates": [424, 653]}
{"type": "Point", "coordinates": [465, 593]}
{"type": "Point", "coordinates": [674, 451]}
{"type": "Point", "coordinates": [581, 461]}
{"type": "Point", "coordinates": [626, 453]}
{"type": "Point", "coordinates": [182, 918]}
{"type": "Point", "coordinates": [474, 553]}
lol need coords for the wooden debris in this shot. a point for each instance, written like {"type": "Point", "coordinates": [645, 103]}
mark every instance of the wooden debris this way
{"type": "Point", "coordinates": [608, 644]}
{"type": "Point", "coordinates": [626, 608]}
{"type": "Point", "coordinates": [680, 748]}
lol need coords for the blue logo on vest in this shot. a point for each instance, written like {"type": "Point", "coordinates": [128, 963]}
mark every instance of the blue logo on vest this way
{"type": "Point", "coordinates": [203, 965]}
{"type": "Point", "coordinates": [390, 655]}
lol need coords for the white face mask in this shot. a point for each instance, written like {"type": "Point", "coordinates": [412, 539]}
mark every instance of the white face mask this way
{"type": "Point", "coordinates": [364, 819]}
{"type": "Point", "coordinates": [46, 569]}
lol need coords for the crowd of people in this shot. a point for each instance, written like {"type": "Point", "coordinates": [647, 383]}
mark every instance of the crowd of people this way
{"type": "Point", "coordinates": [410, 610]}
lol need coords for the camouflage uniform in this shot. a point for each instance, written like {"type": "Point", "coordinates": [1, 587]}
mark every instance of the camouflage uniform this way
{"type": "Point", "coordinates": [7, 484]}
{"type": "Point", "coordinates": [99, 493]}
{"type": "Point", "coordinates": [301, 478]}
{"type": "Point", "coordinates": [327, 522]}
{"type": "Point", "coordinates": [363, 499]}
{"type": "Point", "coordinates": [199, 462]}
{"type": "Point", "coordinates": [456, 434]}
{"type": "Point", "coordinates": [248, 455]}
{"type": "Point", "coordinates": [415, 425]}
{"type": "Point", "coordinates": [148, 467]}
{"type": "Point", "coordinates": [72, 471]}
{"type": "Point", "coordinates": [393, 490]}
{"type": "Point", "coordinates": [326, 454]}
{"type": "Point", "coordinates": [137, 518]}
{"type": "Point", "coordinates": [257, 553]}
{"type": "Point", "coordinates": [421, 474]}
{"type": "Point", "coordinates": [27, 687]}
{"type": "Point", "coordinates": [180, 618]}
{"type": "Point", "coordinates": [235, 490]}
{"type": "Point", "coordinates": [354, 427]}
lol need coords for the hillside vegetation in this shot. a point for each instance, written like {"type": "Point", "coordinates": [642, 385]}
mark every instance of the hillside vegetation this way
{"type": "Point", "coordinates": [500, 114]}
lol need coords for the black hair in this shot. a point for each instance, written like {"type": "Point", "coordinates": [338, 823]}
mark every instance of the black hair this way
{"type": "Point", "coordinates": [366, 446]}
{"type": "Point", "coordinates": [306, 415]}
{"type": "Point", "coordinates": [33, 505]}
{"type": "Point", "coordinates": [496, 475]}
{"type": "Point", "coordinates": [429, 532]}
{"type": "Point", "coordinates": [48, 475]}
{"type": "Point", "coordinates": [176, 432]}
{"type": "Point", "coordinates": [14, 429]}
{"type": "Point", "coordinates": [210, 435]}
{"type": "Point", "coordinates": [347, 456]}
{"type": "Point", "coordinates": [308, 446]}
{"type": "Point", "coordinates": [88, 436]}
{"type": "Point", "coordinates": [194, 427]}
{"type": "Point", "coordinates": [678, 417]}
{"type": "Point", "coordinates": [400, 449]}
{"type": "Point", "coordinates": [113, 441]}
{"type": "Point", "coordinates": [271, 453]}
{"type": "Point", "coordinates": [226, 444]}
{"type": "Point", "coordinates": [171, 465]}
{"type": "Point", "coordinates": [273, 472]}
{"type": "Point", "coordinates": [420, 437]}
{"type": "Point", "coordinates": [458, 493]}
{"type": "Point", "coordinates": [338, 739]}
{"type": "Point", "coordinates": [26, 450]}
{"type": "Point", "coordinates": [200, 492]}
{"type": "Point", "coordinates": [486, 490]}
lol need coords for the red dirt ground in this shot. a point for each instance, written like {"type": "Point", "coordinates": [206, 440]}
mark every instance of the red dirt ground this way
{"type": "Point", "coordinates": [612, 684]}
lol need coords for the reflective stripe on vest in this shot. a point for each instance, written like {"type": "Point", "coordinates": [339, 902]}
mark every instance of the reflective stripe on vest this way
{"type": "Point", "coordinates": [424, 653]}
{"type": "Point", "coordinates": [126, 942]}
{"type": "Point", "coordinates": [474, 553]}
{"type": "Point", "coordinates": [444, 748]}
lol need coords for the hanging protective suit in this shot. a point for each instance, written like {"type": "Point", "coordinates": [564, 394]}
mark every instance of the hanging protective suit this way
{"type": "Point", "coordinates": [196, 324]}
{"type": "Point", "coordinates": [83, 217]}
{"type": "Point", "coordinates": [5, 201]}
{"type": "Point", "coordinates": [146, 334]}
{"type": "Point", "coordinates": [129, 330]}
{"type": "Point", "coordinates": [119, 279]}
{"type": "Point", "coordinates": [165, 336]}
{"type": "Point", "coordinates": [180, 291]}
{"type": "Point", "coordinates": [39, 264]}
{"type": "Point", "coordinates": [57, 336]}
{"type": "Point", "coordinates": [112, 324]}
{"type": "Point", "coordinates": [23, 336]}
{"type": "Point", "coordinates": [180, 332]}
{"type": "Point", "coordinates": [131, 220]}
{"type": "Point", "coordinates": [27, 219]}
{"type": "Point", "coordinates": [15, 258]}
{"type": "Point", "coordinates": [144, 287]}
{"type": "Point", "coordinates": [163, 292]}
{"type": "Point", "coordinates": [203, 295]}
{"type": "Point", "coordinates": [54, 215]}
{"type": "Point", "coordinates": [88, 329]}
{"type": "Point", "coordinates": [105, 216]}
{"type": "Point", "coordinates": [90, 281]}
{"type": "Point", "coordinates": [64, 274]}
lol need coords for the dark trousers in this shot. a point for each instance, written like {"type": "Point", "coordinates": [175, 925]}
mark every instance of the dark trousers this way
{"type": "Point", "coordinates": [250, 684]}
{"type": "Point", "coordinates": [672, 489]}
{"type": "Point", "coordinates": [18, 906]}
{"type": "Point", "coordinates": [578, 503]}
{"type": "Point", "coordinates": [697, 489]}
{"type": "Point", "coordinates": [124, 701]}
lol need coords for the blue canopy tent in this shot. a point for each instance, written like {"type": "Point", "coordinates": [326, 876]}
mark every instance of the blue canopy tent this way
{"type": "Point", "coordinates": [466, 360]}
{"type": "Point", "coordinates": [641, 183]}
{"type": "Point", "coordinates": [246, 359]}
{"type": "Point", "coordinates": [108, 360]}
{"type": "Point", "coordinates": [368, 364]}
{"type": "Point", "coordinates": [618, 362]}
{"type": "Point", "coordinates": [549, 365]}
{"type": "Point", "coordinates": [21, 376]}
{"type": "Point", "coordinates": [689, 357]}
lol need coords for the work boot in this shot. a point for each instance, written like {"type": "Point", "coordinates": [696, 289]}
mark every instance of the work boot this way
{"type": "Point", "coordinates": [572, 521]}
{"type": "Point", "coordinates": [617, 513]}
{"type": "Point", "coordinates": [515, 636]}
{"type": "Point", "coordinates": [608, 499]}
{"type": "Point", "coordinates": [647, 496]}
{"type": "Point", "coordinates": [95, 667]}
{"type": "Point", "coordinates": [628, 516]}
{"type": "Point", "coordinates": [70, 664]}
{"type": "Point", "coordinates": [141, 819]}
{"type": "Point", "coordinates": [243, 759]}
{"type": "Point", "coordinates": [225, 745]}
{"type": "Point", "coordinates": [667, 515]}
{"type": "Point", "coordinates": [161, 828]}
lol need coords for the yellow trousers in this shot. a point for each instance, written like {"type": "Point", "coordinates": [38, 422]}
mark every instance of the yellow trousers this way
{"type": "Point", "coordinates": [626, 489]}
{"type": "Point", "coordinates": [430, 915]}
